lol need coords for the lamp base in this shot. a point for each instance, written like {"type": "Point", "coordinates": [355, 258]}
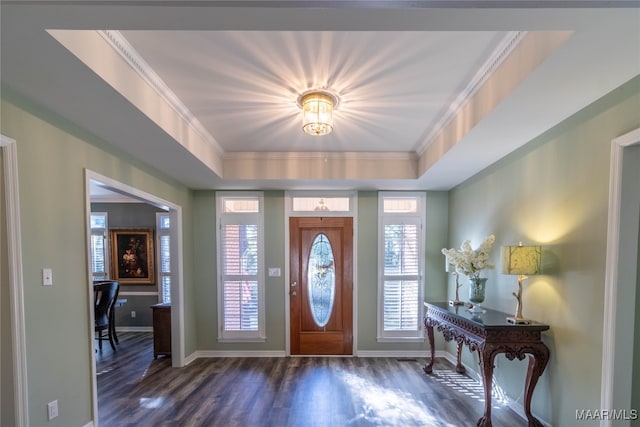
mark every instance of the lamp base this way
{"type": "Point", "coordinates": [454, 302]}
{"type": "Point", "coordinates": [518, 320]}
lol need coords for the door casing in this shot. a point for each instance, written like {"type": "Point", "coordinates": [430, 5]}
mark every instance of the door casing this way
{"type": "Point", "coordinates": [353, 213]}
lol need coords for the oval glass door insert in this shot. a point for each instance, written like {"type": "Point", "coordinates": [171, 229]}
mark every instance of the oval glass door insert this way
{"type": "Point", "coordinates": [321, 280]}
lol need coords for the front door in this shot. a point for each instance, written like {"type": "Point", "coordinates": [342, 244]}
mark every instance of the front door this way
{"type": "Point", "coordinates": [321, 288]}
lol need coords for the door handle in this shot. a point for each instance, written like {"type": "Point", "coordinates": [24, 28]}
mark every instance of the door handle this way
{"type": "Point", "coordinates": [294, 284]}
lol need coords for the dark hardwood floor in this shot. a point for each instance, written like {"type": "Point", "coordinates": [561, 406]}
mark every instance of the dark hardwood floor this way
{"type": "Point", "coordinates": [136, 390]}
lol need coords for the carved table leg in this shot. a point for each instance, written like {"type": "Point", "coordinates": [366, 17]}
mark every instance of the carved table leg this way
{"type": "Point", "coordinates": [428, 368]}
{"type": "Point", "coordinates": [459, 367]}
{"type": "Point", "coordinates": [537, 362]}
{"type": "Point", "coordinates": [486, 364]}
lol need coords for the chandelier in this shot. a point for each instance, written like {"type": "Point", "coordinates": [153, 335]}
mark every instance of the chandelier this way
{"type": "Point", "coordinates": [317, 111]}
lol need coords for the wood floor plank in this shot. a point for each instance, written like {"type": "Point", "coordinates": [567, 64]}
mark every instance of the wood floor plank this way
{"type": "Point", "coordinates": [134, 390]}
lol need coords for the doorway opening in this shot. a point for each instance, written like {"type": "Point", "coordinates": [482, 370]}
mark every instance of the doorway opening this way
{"type": "Point", "coordinates": [170, 274]}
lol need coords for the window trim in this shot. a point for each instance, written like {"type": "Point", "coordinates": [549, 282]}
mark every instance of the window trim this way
{"type": "Point", "coordinates": [227, 218]}
{"type": "Point", "coordinates": [418, 218]}
{"type": "Point", "coordinates": [351, 195]}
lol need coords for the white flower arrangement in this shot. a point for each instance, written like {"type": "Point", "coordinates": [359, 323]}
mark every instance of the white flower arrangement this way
{"type": "Point", "coordinates": [468, 261]}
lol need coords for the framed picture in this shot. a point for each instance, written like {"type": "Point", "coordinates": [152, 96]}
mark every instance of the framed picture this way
{"type": "Point", "coordinates": [132, 256]}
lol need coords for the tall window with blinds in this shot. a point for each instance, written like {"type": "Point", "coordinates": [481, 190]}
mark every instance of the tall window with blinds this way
{"type": "Point", "coordinates": [163, 245]}
{"type": "Point", "coordinates": [99, 249]}
{"type": "Point", "coordinates": [401, 260]}
{"type": "Point", "coordinates": [241, 266]}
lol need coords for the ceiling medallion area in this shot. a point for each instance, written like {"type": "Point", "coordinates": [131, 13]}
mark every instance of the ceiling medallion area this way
{"type": "Point", "coordinates": [317, 107]}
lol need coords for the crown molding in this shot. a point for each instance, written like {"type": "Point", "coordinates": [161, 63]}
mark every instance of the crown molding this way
{"type": "Point", "coordinates": [122, 46]}
{"type": "Point", "coordinates": [501, 52]}
{"type": "Point", "coordinates": [314, 155]}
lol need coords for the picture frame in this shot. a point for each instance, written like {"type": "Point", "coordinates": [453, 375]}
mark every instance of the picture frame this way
{"type": "Point", "coordinates": [132, 256]}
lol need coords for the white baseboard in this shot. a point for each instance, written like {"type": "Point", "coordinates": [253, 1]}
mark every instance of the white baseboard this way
{"type": "Point", "coordinates": [134, 328]}
{"type": "Point", "coordinates": [233, 353]}
{"type": "Point", "coordinates": [89, 424]}
{"type": "Point", "coordinates": [190, 358]}
{"type": "Point", "coordinates": [401, 354]}
{"type": "Point", "coordinates": [277, 353]}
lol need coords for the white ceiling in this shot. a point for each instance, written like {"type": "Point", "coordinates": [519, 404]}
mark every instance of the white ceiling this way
{"type": "Point", "coordinates": [205, 91]}
{"type": "Point", "coordinates": [243, 85]}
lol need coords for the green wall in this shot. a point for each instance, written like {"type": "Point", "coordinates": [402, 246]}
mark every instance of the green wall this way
{"type": "Point", "coordinates": [205, 272]}
{"type": "Point", "coordinates": [274, 257]}
{"type": "Point", "coordinates": [52, 157]}
{"type": "Point", "coordinates": [553, 192]}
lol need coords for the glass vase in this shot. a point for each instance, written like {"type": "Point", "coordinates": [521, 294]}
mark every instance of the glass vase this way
{"type": "Point", "coordinates": [476, 293]}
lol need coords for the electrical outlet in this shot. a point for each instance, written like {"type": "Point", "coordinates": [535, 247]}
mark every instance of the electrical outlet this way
{"type": "Point", "coordinates": [52, 409]}
{"type": "Point", "coordinates": [133, 314]}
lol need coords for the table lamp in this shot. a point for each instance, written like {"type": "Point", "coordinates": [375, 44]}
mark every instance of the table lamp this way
{"type": "Point", "coordinates": [520, 260]}
{"type": "Point", "coordinates": [449, 268]}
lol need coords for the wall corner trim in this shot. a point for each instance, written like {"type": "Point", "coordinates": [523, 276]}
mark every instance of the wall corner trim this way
{"type": "Point", "coordinates": [618, 146]}
{"type": "Point", "coordinates": [16, 281]}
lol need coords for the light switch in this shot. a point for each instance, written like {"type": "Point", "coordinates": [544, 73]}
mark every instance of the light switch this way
{"type": "Point", "coordinates": [274, 272]}
{"type": "Point", "coordinates": [52, 409]}
{"type": "Point", "coordinates": [47, 276]}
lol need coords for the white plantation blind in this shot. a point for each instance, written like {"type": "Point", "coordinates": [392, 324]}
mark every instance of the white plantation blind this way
{"type": "Point", "coordinates": [401, 276]}
{"type": "Point", "coordinates": [240, 264]}
{"type": "Point", "coordinates": [99, 253]}
{"type": "Point", "coordinates": [163, 236]}
{"type": "Point", "coordinates": [401, 259]}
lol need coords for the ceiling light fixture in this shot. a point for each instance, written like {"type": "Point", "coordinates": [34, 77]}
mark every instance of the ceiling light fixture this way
{"type": "Point", "coordinates": [317, 111]}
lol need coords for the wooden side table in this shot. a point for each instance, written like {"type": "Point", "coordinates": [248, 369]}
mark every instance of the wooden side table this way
{"type": "Point", "coordinates": [490, 334]}
{"type": "Point", "coordinates": [161, 329]}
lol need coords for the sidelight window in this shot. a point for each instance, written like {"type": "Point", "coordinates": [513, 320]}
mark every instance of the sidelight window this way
{"type": "Point", "coordinates": [163, 245]}
{"type": "Point", "coordinates": [240, 266]}
{"type": "Point", "coordinates": [401, 261]}
{"type": "Point", "coordinates": [99, 246]}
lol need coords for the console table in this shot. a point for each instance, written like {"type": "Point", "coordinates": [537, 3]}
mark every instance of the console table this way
{"type": "Point", "coordinates": [489, 334]}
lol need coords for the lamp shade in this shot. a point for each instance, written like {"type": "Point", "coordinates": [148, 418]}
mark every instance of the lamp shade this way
{"type": "Point", "coordinates": [521, 260]}
{"type": "Point", "coordinates": [317, 112]}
